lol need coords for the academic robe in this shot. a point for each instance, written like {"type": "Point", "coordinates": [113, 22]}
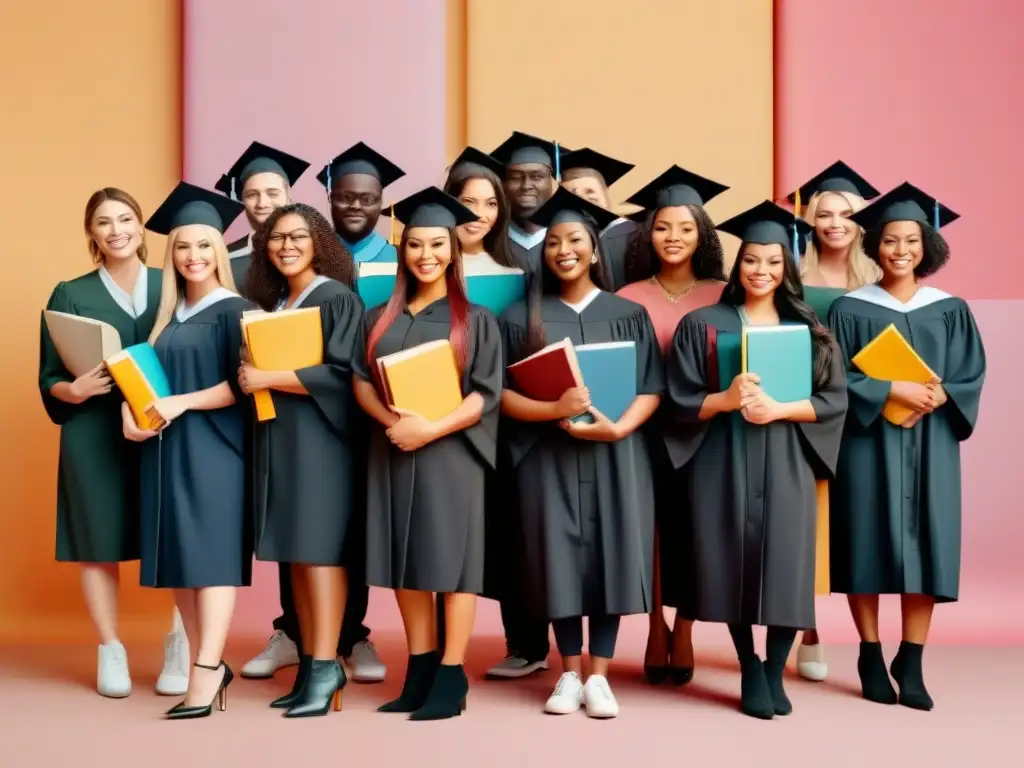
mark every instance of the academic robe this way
{"type": "Point", "coordinates": [586, 507]}
{"type": "Point", "coordinates": [240, 258]}
{"type": "Point", "coordinates": [752, 504]}
{"type": "Point", "coordinates": [614, 244]}
{"type": "Point", "coordinates": [308, 459]}
{"type": "Point", "coordinates": [373, 247]}
{"type": "Point", "coordinates": [195, 531]}
{"type": "Point", "coordinates": [425, 508]}
{"type": "Point", "coordinates": [895, 502]}
{"type": "Point", "coordinates": [98, 470]}
{"type": "Point", "coordinates": [527, 251]}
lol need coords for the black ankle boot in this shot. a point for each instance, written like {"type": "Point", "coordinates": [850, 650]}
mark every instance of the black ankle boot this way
{"type": "Point", "coordinates": [324, 685]}
{"type": "Point", "coordinates": [773, 672]}
{"type": "Point", "coordinates": [755, 695]}
{"type": "Point", "coordinates": [909, 676]}
{"type": "Point", "coordinates": [447, 696]}
{"type": "Point", "coordinates": [301, 675]}
{"type": "Point", "coordinates": [419, 676]}
{"type": "Point", "coordinates": [874, 679]}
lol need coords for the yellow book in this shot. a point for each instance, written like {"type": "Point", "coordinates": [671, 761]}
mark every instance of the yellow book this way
{"type": "Point", "coordinates": [142, 381]}
{"type": "Point", "coordinates": [423, 379]}
{"type": "Point", "coordinates": [889, 357]}
{"type": "Point", "coordinates": [282, 341]}
{"type": "Point", "coordinates": [822, 564]}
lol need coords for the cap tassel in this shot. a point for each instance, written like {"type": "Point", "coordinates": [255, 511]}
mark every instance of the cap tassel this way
{"type": "Point", "coordinates": [391, 236]}
{"type": "Point", "coordinates": [234, 196]}
{"type": "Point", "coordinates": [558, 164]}
{"type": "Point", "coordinates": [796, 228]}
{"type": "Point", "coordinates": [935, 216]}
{"type": "Point", "coordinates": [328, 169]}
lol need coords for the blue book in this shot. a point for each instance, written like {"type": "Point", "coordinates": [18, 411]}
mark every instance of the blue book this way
{"type": "Point", "coordinates": [609, 372]}
{"type": "Point", "coordinates": [730, 358]}
{"type": "Point", "coordinates": [375, 282]}
{"type": "Point", "coordinates": [781, 356]}
{"type": "Point", "coordinates": [496, 290]}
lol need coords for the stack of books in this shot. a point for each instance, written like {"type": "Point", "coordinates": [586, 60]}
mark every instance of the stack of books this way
{"type": "Point", "coordinates": [288, 340]}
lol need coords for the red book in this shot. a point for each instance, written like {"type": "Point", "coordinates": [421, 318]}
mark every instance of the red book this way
{"type": "Point", "coordinates": [546, 375]}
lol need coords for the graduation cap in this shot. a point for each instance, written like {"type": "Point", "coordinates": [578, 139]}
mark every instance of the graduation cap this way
{"type": "Point", "coordinates": [838, 177]}
{"type": "Point", "coordinates": [610, 169]}
{"type": "Point", "coordinates": [259, 158]}
{"type": "Point", "coordinates": [564, 206]}
{"type": "Point", "coordinates": [189, 204]}
{"type": "Point", "coordinates": [473, 156]}
{"type": "Point", "coordinates": [677, 186]}
{"type": "Point", "coordinates": [768, 223]}
{"type": "Point", "coordinates": [905, 203]}
{"type": "Point", "coordinates": [359, 158]}
{"type": "Point", "coordinates": [521, 148]}
{"type": "Point", "coordinates": [431, 207]}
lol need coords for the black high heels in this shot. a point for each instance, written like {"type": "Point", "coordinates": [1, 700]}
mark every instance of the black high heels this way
{"type": "Point", "coordinates": [419, 677]}
{"type": "Point", "coordinates": [301, 676]}
{"type": "Point", "coordinates": [447, 697]}
{"type": "Point", "coordinates": [657, 674]}
{"type": "Point", "coordinates": [324, 684]}
{"type": "Point", "coordinates": [181, 712]}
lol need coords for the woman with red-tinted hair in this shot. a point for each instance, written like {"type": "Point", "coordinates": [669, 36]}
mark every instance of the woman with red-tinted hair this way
{"type": "Point", "coordinates": [425, 505]}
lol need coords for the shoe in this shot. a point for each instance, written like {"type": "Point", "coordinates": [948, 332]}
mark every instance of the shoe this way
{"type": "Point", "coordinates": [773, 673]}
{"type": "Point", "coordinates": [181, 712]}
{"type": "Point", "coordinates": [680, 675]}
{"type": "Point", "coordinates": [599, 699]}
{"type": "Point", "coordinates": [657, 674]}
{"type": "Point", "coordinates": [173, 680]}
{"type": "Point", "coordinates": [365, 664]}
{"type": "Point", "coordinates": [112, 677]}
{"type": "Point", "coordinates": [908, 673]}
{"type": "Point", "coordinates": [755, 695]}
{"type": "Point", "coordinates": [874, 679]}
{"type": "Point", "coordinates": [301, 676]}
{"type": "Point", "coordinates": [515, 666]}
{"type": "Point", "coordinates": [810, 662]}
{"type": "Point", "coordinates": [567, 696]}
{"type": "Point", "coordinates": [447, 697]}
{"type": "Point", "coordinates": [324, 684]}
{"type": "Point", "coordinates": [419, 678]}
{"type": "Point", "coordinates": [280, 652]}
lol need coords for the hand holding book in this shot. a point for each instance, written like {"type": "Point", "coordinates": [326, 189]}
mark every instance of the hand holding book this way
{"type": "Point", "coordinates": [90, 384]}
{"type": "Point", "coordinates": [411, 432]}
{"type": "Point", "coordinates": [130, 429]}
{"type": "Point", "coordinates": [601, 429]}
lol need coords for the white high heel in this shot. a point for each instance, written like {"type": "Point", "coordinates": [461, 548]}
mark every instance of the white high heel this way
{"type": "Point", "coordinates": [810, 662]}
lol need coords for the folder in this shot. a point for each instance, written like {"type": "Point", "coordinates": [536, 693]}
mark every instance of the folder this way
{"type": "Point", "coordinates": [423, 379]}
{"type": "Point", "coordinates": [286, 340]}
{"type": "Point", "coordinates": [820, 299]}
{"type": "Point", "coordinates": [890, 358]}
{"type": "Point", "coordinates": [546, 375]}
{"type": "Point", "coordinates": [609, 372]}
{"type": "Point", "coordinates": [141, 378]}
{"type": "Point", "coordinates": [496, 289]}
{"type": "Point", "coordinates": [781, 356]}
{"type": "Point", "coordinates": [82, 342]}
{"type": "Point", "coordinates": [375, 282]}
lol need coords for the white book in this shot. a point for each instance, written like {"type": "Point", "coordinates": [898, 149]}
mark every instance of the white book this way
{"type": "Point", "coordinates": [82, 342]}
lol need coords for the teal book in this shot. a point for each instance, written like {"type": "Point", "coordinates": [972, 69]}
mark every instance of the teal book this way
{"type": "Point", "coordinates": [149, 364]}
{"type": "Point", "coordinates": [609, 372]}
{"type": "Point", "coordinates": [781, 356]}
{"type": "Point", "coordinates": [730, 358]}
{"type": "Point", "coordinates": [496, 290]}
{"type": "Point", "coordinates": [820, 300]}
{"type": "Point", "coordinates": [375, 282]}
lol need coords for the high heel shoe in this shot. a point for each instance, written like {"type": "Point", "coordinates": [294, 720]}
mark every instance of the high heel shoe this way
{"type": "Point", "coordinates": [657, 674]}
{"type": "Point", "coordinates": [906, 669]}
{"type": "Point", "coordinates": [324, 685]}
{"type": "Point", "coordinates": [447, 697]}
{"type": "Point", "coordinates": [419, 677]}
{"type": "Point", "coordinates": [680, 675]}
{"type": "Point", "coordinates": [301, 676]}
{"type": "Point", "coordinates": [181, 712]}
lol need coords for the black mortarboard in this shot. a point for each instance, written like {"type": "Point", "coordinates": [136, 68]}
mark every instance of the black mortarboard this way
{"type": "Point", "coordinates": [768, 223]}
{"type": "Point", "coordinates": [473, 156]}
{"type": "Point", "coordinates": [189, 204]}
{"type": "Point", "coordinates": [359, 158]}
{"type": "Point", "coordinates": [522, 148]}
{"type": "Point", "coordinates": [431, 207]}
{"type": "Point", "coordinates": [564, 206]}
{"type": "Point", "coordinates": [611, 170]}
{"type": "Point", "coordinates": [259, 158]}
{"type": "Point", "coordinates": [905, 203]}
{"type": "Point", "coordinates": [677, 186]}
{"type": "Point", "coordinates": [838, 177]}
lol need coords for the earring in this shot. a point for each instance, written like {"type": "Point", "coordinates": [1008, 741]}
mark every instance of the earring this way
{"type": "Point", "coordinates": [593, 259]}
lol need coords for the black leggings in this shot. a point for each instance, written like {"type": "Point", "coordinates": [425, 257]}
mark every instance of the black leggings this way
{"type": "Point", "coordinates": [778, 643]}
{"type": "Point", "coordinates": [604, 631]}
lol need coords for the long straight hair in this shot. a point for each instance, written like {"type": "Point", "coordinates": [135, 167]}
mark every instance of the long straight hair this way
{"type": "Point", "coordinates": [496, 240]}
{"type": "Point", "coordinates": [860, 270]}
{"type": "Point", "coordinates": [97, 199]}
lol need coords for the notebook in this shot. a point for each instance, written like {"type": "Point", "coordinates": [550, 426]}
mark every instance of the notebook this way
{"type": "Point", "coordinates": [546, 375]}
{"type": "Point", "coordinates": [890, 358]}
{"type": "Point", "coordinates": [375, 282]}
{"type": "Point", "coordinates": [423, 379]}
{"type": "Point", "coordinates": [141, 378]}
{"type": "Point", "coordinates": [287, 340]}
{"type": "Point", "coordinates": [496, 290]}
{"type": "Point", "coordinates": [82, 343]}
{"type": "Point", "coordinates": [609, 373]}
{"type": "Point", "coordinates": [781, 356]}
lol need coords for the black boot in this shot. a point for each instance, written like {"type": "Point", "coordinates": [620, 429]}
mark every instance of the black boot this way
{"type": "Point", "coordinates": [779, 643]}
{"type": "Point", "coordinates": [324, 684]}
{"type": "Point", "coordinates": [447, 696]}
{"type": "Point", "coordinates": [755, 695]}
{"type": "Point", "coordinates": [301, 675]}
{"type": "Point", "coordinates": [874, 679]}
{"type": "Point", "coordinates": [419, 676]}
{"type": "Point", "coordinates": [907, 672]}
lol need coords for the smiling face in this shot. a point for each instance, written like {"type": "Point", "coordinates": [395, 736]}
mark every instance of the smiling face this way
{"type": "Point", "coordinates": [427, 253]}
{"type": "Point", "coordinates": [356, 200]}
{"type": "Point", "coordinates": [262, 193]}
{"type": "Point", "coordinates": [761, 269]}
{"type": "Point", "coordinates": [290, 246]}
{"type": "Point", "coordinates": [528, 186]}
{"type": "Point", "coordinates": [568, 251]}
{"type": "Point", "coordinates": [833, 228]}
{"type": "Point", "coordinates": [193, 252]}
{"type": "Point", "coordinates": [479, 196]}
{"type": "Point", "coordinates": [591, 189]}
{"type": "Point", "coordinates": [116, 230]}
{"type": "Point", "coordinates": [674, 235]}
{"type": "Point", "coordinates": [900, 250]}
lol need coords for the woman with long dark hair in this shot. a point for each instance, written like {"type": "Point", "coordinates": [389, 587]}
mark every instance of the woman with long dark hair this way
{"type": "Point", "coordinates": [750, 462]}
{"type": "Point", "coordinates": [425, 529]}
{"type": "Point", "coordinates": [475, 181]}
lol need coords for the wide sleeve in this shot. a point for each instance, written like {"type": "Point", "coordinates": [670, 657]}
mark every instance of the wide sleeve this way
{"type": "Point", "coordinates": [517, 438]}
{"type": "Point", "coordinates": [967, 366]}
{"type": "Point", "coordinates": [330, 383]}
{"type": "Point", "coordinates": [650, 367]}
{"type": "Point", "coordinates": [229, 338]}
{"type": "Point", "coordinates": [686, 378]}
{"type": "Point", "coordinates": [51, 368]}
{"type": "Point", "coordinates": [821, 438]}
{"type": "Point", "coordinates": [485, 377]}
{"type": "Point", "coordinates": [360, 367]}
{"type": "Point", "coordinates": [867, 396]}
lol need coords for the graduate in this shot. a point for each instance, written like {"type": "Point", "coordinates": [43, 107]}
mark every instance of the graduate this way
{"type": "Point", "coordinates": [588, 173]}
{"type": "Point", "coordinates": [98, 472]}
{"type": "Point", "coordinates": [674, 265]}
{"type": "Point", "coordinates": [750, 463]}
{"type": "Point", "coordinates": [475, 181]}
{"type": "Point", "coordinates": [896, 520]}
{"type": "Point", "coordinates": [308, 473]}
{"type": "Point", "coordinates": [586, 490]}
{"type": "Point", "coordinates": [193, 515]}
{"type": "Point", "coordinates": [261, 179]}
{"type": "Point", "coordinates": [425, 511]}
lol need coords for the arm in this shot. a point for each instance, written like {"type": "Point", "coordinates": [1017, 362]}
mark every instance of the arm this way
{"type": "Point", "coordinates": [369, 401]}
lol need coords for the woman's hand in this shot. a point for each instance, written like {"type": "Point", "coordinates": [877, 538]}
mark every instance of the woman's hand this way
{"type": "Point", "coordinates": [411, 432]}
{"type": "Point", "coordinates": [939, 396]}
{"type": "Point", "coordinates": [573, 402]}
{"type": "Point", "coordinates": [169, 408]}
{"type": "Point", "coordinates": [130, 429]}
{"type": "Point", "coordinates": [918, 397]}
{"type": "Point", "coordinates": [602, 429]}
{"type": "Point", "coordinates": [758, 408]}
{"type": "Point", "coordinates": [94, 382]}
{"type": "Point", "coordinates": [252, 379]}
{"type": "Point", "coordinates": [744, 385]}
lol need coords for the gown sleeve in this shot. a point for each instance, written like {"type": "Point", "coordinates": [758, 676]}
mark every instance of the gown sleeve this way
{"type": "Point", "coordinates": [821, 438]}
{"type": "Point", "coordinates": [51, 368]}
{"type": "Point", "coordinates": [486, 374]}
{"type": "Point", "coordinates": [867, 396]}
{"type": "Point", "coordinates": [517, 438]}
{"type": "Point", "coordinates": [966, 361]}
{"type": "Point", "coordinates": [686, 375]}
{"type": "Point", "coordinates": [650, 368]}
{"type": "Point", "coordinates": [330, 383]}
{"type": "Point", "coordinates": [360, 367]}
{"type": "Point", "coordinates": [230, 339]}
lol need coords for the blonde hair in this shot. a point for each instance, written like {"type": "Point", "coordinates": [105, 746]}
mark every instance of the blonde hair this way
{"type": "Point", "coordinates": [574, 174]}
{"type": "Point", "coordinates": [172, 287]}
{"type": "Point", "coordinates": [861, 269]}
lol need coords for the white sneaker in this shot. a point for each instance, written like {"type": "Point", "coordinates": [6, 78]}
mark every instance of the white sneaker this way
{"type": "Point", "coordinates": [112, 678]}
{"type": "Point", "coordinates": [599, 699]}
{"type": "Point", "coordinates": [567, 696]}
{"type": "Point", "coordinates": [173, 680]}
{"type": "Point", "coordinates": [514, 666]}
{"type": "Point", "coordinates": [810, 662]}
{"type": "Point", "coordinates": [280, 652]}
{"type": "Point", "coordinates": [365, 664]}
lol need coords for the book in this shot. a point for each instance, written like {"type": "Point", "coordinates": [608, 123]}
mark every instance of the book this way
{"type": "Point", "coordinates": [375, 282]}
{"type": "Point", "coordinates": [729, 355]}
{"type": "Point", "coordinates": [889, 357]}
{"type": "Point", "coordinates": [546, 375]}
{"type": "Point", "coordinates": [497, 289]}
{"type": "Point", "coordinates": [287, 340]}
{"type": "Point", "coordinates": [423, 379]}
{"type": "Point", "coordinates": [82, 342]}
{"type": "Point", "coordinates": [142, 380]}
{"type": "Point", "coordinates": [781, 356]}
{"type": "Point", "coordinates": [820, 299]}
{"type": "Point", "coordinates": [609, 372]}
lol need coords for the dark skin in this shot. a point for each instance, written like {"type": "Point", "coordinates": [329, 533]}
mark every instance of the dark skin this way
{"type": "Point", "coordinates": [356, 200]}
{"type": "Point", "coordinates": [528, 186]}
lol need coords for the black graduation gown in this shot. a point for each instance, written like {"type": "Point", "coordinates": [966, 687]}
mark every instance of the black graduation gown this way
{"type": "Point", "coordinates": [614, 244]}
{"type": "Point", "coordinates": [528, 260]}
{"type": "Point", "coordinates": [586, 507]}
{"type": "Point", "coordinates": [194, 526]}
{"type": "Point", "coordinates": [425, 509]}
{"type": "Point", "coordinates": [307, 463]}
{"type": "Point", "coordinates": [752, 506]}
{"type": "Point", "coordinates": [895, 503]}
{"type": "Point", "coordinates": [240, 256]}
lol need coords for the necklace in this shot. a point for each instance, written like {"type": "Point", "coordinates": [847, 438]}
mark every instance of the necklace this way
{"type": "Point", "coordinates": [673, 297]}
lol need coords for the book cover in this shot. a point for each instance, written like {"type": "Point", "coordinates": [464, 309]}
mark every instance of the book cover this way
{"type": "Point", "coordinates": [142, 380]}
{"type": "Point", "coordinates": [496, 291]}
{"type": "Point", "coordinates": [423, 379]}
{"type": "Point", "coordinates": [820, 299]}
{"type": "Point", "coordinates": [82, 342]}
{"type": "Point", "coordinates": [287, 340]}
{"type": "Point", "coordinates": [375, 282]}
{"type": "Point", "coordinates": [730, 358]}
{"type": "Point", "coordinates": [889, 357]}
{"type": "Point", "coordinates": [609, 372]}
{"type": "Point", "coordinates": [781, 356]}
{"type": "Point", "coordinates": [546, 375]}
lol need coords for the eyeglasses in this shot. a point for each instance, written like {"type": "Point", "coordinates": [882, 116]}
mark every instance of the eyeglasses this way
{"type": "Point", "coordinates": [298, 237]}
{"type": "Point", "coordinates": [350, 198]}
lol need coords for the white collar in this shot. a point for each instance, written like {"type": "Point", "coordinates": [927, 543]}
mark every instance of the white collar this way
{"type": "Point", "coordinates": [183, 313]}
{"type": "Point", "coordinates": [315, 283]}
{"type": "Point", "coordinates": [585, 302]}
{"type": "Point", "coordinates": [135, 303]}
{"type": "Point", "coordinates": [245, 250]}
{"type": "Point", "coordinates": [529, 242]}
{"type": "Point", "coordinates": [875, 294]}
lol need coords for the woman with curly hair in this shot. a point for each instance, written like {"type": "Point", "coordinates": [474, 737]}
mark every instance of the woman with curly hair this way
{"type": "Point", "coordinates": [674, 266]}
{"type": "Point", "coordinates": [896, 497]}
{"type": "Point", "coordinates": [307, 472]}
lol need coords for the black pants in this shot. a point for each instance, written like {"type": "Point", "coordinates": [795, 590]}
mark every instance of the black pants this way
{"type": "Point", "coordinates": [352, 628]}
{"type": "Point", "coordinates": [604, 631]}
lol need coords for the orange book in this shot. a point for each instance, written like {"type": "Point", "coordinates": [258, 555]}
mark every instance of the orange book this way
{"type": "Point", "coordinates": [423, 379]}
{"type": "Point", "coordinates": [138, 374]}
{"type": "Point", "coordinates": [890, 358]}
{"type": "Point", "coordinates": [822, 580]}
{"type": "Point", "coordinates": [282, 341]}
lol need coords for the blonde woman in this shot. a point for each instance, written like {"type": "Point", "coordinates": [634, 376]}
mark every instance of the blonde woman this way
{"type": "Point", "coordinates": [193, 486]}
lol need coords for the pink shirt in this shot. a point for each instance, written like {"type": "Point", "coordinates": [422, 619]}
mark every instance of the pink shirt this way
{"type": "Point", "coordinates": [664, 314]}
